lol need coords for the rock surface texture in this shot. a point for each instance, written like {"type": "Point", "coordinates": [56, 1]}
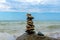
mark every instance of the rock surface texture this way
{"type": "Point", "coordinates": [26, 36]}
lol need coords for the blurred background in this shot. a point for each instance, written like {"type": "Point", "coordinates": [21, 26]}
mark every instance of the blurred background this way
{"type": "Point", "coordinates": [46, 15]}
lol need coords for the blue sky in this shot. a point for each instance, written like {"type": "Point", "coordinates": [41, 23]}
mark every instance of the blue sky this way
{"type": "Point", "coordinates": [43, 9]}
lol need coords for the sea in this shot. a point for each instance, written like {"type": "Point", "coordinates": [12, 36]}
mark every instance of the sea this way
{"type": "Point", "coordinates": [13, 24]}
{"type": "Point", "coordinates": [10, 30]}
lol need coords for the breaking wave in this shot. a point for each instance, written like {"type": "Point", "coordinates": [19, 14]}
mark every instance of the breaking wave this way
{"type": "Point", "coordinates": [6, 36]}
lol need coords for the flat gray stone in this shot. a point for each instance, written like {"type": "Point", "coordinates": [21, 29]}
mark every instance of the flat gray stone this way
{"type": "Point", "coordinates": [25, 36]}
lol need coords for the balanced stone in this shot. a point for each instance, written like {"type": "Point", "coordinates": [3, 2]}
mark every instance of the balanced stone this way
{"type": "Point", "coordinates": [30, 26]}
{"type": "Point", "coordinates": [30, 33]}
{"type": "Point", "coordinates": [29, 17]}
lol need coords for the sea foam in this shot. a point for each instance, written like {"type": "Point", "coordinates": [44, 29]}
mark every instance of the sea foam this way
{"type": "Point", "coordinates": [6, 36]}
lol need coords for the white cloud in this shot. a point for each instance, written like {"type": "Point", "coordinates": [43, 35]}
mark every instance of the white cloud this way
{"type": "Point", "coordinates": [44, 2]}
{"type": "Point", "coordinates": [2, 6]}
{"type": "Point", "coordinates": [31, 1]}
{"type": "Point", "coordinates": [2, 1]}
{"type": "Point", "coordinates": [28, 5]}
{"type": "Point", "coordinates": [51, 2]}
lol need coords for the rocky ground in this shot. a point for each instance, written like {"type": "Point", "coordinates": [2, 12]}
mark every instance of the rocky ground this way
{"type": "Point", "coordinates": [26, 36]}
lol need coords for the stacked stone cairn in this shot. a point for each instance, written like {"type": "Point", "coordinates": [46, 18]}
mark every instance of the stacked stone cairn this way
{"type": "Point", "coordinates": [30, 26]}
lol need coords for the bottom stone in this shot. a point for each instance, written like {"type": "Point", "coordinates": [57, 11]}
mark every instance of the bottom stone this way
{"type": "Point", "coordinates": [25, 36]}
{"type": "Point", "coordinates": [30, 31]}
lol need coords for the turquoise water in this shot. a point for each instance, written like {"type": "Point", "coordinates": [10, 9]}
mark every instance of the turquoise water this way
{"type": "Point", "coordinates": [37, 15]}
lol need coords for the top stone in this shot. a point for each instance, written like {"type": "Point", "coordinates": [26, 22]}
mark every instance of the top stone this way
{"type": "Point", "coordinates": [29, 17]}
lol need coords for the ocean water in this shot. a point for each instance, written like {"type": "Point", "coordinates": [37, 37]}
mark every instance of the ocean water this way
{"type": "Point", "coordinates": [10, 30]}
{"type": "Point", "coordinates": [37, 15]}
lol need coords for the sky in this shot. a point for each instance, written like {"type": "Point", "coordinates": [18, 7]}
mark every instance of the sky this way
{"type": "Point", "coordinates": [51, 7]}
{"type": "Point", "coordinates": [28, 5]}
